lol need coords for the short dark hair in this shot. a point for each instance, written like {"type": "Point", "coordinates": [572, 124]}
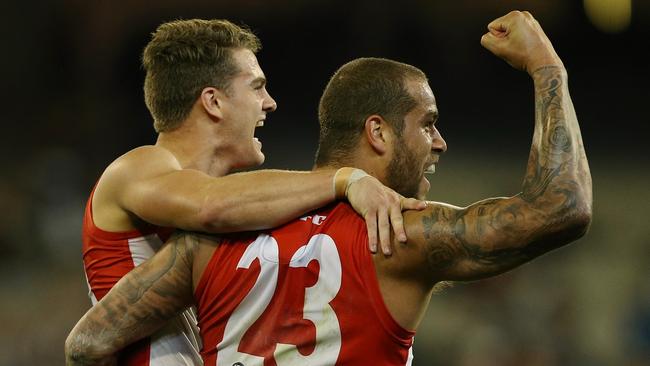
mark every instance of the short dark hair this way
{"type": "Point", "coordinates": [357, 90]}
{"type": "Point", "coordinates": [185, 56]}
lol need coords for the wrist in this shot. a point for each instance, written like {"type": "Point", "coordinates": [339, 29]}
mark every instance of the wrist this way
{"type": "Point", "coordinates": [344, 178]}
{"type": "Point", "coordinates": [543, 73]}
{"type": "Point", "coordinates": [540, 67]}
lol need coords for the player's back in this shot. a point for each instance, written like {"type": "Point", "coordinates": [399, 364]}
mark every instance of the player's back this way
{"type": "Point", "coordinates": [303, 294]}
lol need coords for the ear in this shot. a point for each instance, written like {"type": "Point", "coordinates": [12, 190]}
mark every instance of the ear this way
{"type": "Point", "coordinates": [378, 133]}
{"type": "Point", "coordinates": [212, 102]}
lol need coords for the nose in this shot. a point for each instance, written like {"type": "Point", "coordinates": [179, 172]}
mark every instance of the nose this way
{"type": "Point", "coordinates": [269, 104]}
{"type": "Point", "coordinates": [438, 144]}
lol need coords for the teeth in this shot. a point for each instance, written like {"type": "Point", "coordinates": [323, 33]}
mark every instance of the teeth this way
{"type": "Point", "coordinates": [431, 169]}
{"type": "Point", "coordinates": [259, 124]}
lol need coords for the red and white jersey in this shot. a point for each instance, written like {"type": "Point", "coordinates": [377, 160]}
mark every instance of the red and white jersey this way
{"type": "Point", "coordinates": [107, 257]}
{"type": "Point", "coordinates": [302, 294]}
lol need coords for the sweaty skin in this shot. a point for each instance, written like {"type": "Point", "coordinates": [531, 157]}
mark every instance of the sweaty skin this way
{"type": "Point", "coordinates": [445, 242]}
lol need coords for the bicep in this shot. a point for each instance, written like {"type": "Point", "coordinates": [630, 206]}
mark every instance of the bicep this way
{"type": "Point", "coordinates": [172, 199]}
{"type": "Point", "coordinates": [149, 183]}
{"type": "Point", "coordinates": [484, 239]}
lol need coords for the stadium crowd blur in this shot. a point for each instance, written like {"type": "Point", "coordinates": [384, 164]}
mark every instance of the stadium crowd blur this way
{"type": "Point", "coordinates": [72, 102]}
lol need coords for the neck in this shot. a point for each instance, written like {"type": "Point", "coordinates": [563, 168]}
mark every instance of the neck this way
{"type": "Point", "coordinates": [372, 164]}
{"type": "Point", "coordinates": [196, 148]}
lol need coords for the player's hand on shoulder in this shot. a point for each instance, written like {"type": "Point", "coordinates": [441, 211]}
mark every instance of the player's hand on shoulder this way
{"type": "Point", "coordinates": [381, 207]}
{"type": "Point", "coordinates": [518, 39]}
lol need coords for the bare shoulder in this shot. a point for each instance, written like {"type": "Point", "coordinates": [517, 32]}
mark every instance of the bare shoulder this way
{"type": "Point", "coordinates": [139, 163]}
{"type": "Point", "coordinates": [435, 224]}
{"type": "Point", "coordinates": [143, 160]}
{"type": "Point", "coordinates": [135, 166]}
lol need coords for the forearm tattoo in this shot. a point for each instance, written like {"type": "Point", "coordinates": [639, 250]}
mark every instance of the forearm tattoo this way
{"type": "Point", "coordinates": [151, 294]}
{"type": "Point", "coordinates": [138, 304]}
{"type": "Point", "coordinates": [494, 235]}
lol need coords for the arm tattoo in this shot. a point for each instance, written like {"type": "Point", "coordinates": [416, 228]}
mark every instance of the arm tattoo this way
{"type": "Point", "coordinates": [140, 303]}
{"type": "Point", "coordinates": [552, 148]}
{"type": "Point", "coordinates": [152, 294]}
{"type": "Point", "coordinates": [494, 235]}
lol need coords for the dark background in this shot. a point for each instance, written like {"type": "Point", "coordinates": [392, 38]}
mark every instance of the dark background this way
{"type": "Point", "coordinates": [72, 102]}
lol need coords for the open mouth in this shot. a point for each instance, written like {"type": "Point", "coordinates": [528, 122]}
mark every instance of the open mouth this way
{"type": "Point", "coordinates": [259, 123]}
{"type": "Point", "coordinates": [430, 169]}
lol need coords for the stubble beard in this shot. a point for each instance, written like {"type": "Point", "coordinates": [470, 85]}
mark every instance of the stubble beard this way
{"type": "Point", "coordinates": [404, 173]}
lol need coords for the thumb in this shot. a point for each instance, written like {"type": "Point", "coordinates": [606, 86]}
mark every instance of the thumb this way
{"type": "Point", "coordinates": [501, 26]}
{"type": "Point", "coordinates": [490, 41]}
{"type": "Point", "coordinates": [498, 28]}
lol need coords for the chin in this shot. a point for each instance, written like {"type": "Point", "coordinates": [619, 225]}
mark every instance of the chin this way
{"type": "Point", "coordinates": [254, 160]}
{"type": "Point", "coordinates": [257, 158]}
{"type": "Point", "coordinates": [261, 159]}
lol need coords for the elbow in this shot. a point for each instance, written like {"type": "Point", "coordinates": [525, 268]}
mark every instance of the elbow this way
{"type": "Point", "coordinates": [564, 223]}
{"type": "Point", "coordinates": [220, 217]}
{"type": "Point", "coordinates": [233, 215]}
{"type": "Point", "coordinates": [84, 350]}
{"type": "Point", "coordinates": [579, 213]}
{"type": "Point", "coordinates": [575, 221]}
{"type": "Point", "coordinates": [75, 352]}
{"type": "Point", "coordinates": [211, 216]}
{"type": "Point", "coordinates": [580, 220]}
{"type": "Point", "coordinates": [208, 220]}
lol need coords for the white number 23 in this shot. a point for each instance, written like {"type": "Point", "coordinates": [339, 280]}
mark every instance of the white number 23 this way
{"type": "Point", "coordinates": [321, 247]}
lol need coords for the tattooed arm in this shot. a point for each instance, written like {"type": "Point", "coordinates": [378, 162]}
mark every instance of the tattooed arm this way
{"type": "Point", "coordinates": [139, 304]}
{"type": "Point", "coordinates": [554, 207]}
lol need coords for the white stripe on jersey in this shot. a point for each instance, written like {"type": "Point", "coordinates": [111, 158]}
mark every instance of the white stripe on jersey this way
{"type": "Point", "coordinates": [93, 299]}
{"type": "Point", "coordinates": [143, 248]}
{"type": "Point", "coordinates": [409, 361]}
{"type": "Point", "coordinates": [178, 342]}
{"type": "Point", "coordinates": [169, 347]}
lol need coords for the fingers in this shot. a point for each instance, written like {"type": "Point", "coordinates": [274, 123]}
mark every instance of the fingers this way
{"type": "Point", "coordinates": [384, 231]}
{"type": "Point", "coordinates": [396, 218]}
{"type": "Point", "coordinates": [529, 16]}
{"type": "Point", "coordinates": [498, 46]}
{"type": "Point", "coordinates": [397, 222]}
{"type": "Point", "coordinates": [500, 26]}
{"type": "Point", "coordinates": [412, 204]}
{"type": "Point", "coordinates": [517, 38]}
{"type": "Point", "coordinates": [381, 208]}
{"type": "Point", "coordinates": [371, 225]}
{"type": "Point", "coordinates": [491, 42]}
{"type": "Point", "coordinates": [498, 29]}
{"type": "Point", "coordinates": [379, 224]}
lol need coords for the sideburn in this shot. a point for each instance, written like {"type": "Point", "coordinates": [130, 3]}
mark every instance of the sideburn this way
{"type": "Point", "coordinates": [404, 172]}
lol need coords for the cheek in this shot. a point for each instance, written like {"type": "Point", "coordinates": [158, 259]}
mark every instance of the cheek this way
{"type": "Point", "coordinates": [424, 145]}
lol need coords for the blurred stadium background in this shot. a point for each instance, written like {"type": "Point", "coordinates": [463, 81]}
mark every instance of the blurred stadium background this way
{"type": "Point", "coordinates": [72, 102]}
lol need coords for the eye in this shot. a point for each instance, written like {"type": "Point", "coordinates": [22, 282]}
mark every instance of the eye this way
{"type": "Point", "coordinates": [430, 125]}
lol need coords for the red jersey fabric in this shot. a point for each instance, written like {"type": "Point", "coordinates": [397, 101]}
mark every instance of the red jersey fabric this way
{"type": "Point", "coordinates": [302, 294]}
{"type": "Point", "coordinates": [107, 257]}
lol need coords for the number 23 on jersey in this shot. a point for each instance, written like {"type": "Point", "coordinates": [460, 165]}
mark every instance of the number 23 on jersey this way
{"type": "Point", "coordinates": [267, 300]}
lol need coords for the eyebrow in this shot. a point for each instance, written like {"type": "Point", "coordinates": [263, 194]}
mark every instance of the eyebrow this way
{"type": "Point", "coordinates": [258, 81]}
{"type": "Point", "coordinates": [432, 114]}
